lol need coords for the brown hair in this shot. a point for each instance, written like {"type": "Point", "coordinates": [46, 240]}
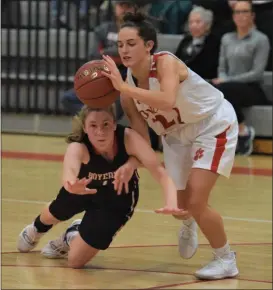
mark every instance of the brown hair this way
{"type": "Point", "coordinates": [78, 133]}
{"type": "Point", "coordinates": [145, 28]}
{"type": "Point", "coordinates": [248, 1]}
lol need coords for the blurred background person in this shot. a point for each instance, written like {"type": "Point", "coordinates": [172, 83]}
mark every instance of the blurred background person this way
{"type": "Point", "coordinates": [199, 48]}
{"type": "Point", "coordinates": [263, 18]}
{"type": "Point", "coordinates": [242, 62]}
{"type": "Point", "coordinates": [58, 18]}
{"type": "Point", "coordinates": [222, 21]}
{"type": "Point", "coordinates": [172, 15]}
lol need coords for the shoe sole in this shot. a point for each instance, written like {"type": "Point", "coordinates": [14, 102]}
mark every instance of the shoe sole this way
{"type": "Point", "coordinates": [189, 257]}
{"type": "Point", "coordinates": [217, 277]}
{"type": "Point", "coordinates": [53, 257]}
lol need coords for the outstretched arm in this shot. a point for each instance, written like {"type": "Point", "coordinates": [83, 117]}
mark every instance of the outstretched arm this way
{"type": "Point", "coordinates": [74, 157]}
{"type": "Point", "coordinates": [138, 147]}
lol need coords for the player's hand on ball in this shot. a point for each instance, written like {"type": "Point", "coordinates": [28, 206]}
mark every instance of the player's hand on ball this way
{"type": "Point", "coordinates": [172, 210]}
{"type": "Point", "coordinates": [114, 74]}
{"type": "Point", "coordinates": [122, 177]}
{"type": "Point", "coordinates": [79, 186]}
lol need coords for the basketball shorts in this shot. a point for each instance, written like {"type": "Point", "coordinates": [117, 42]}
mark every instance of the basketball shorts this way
{"type": "Point", "coordinates": [209, 144]}
{"type": "Point", "coordinates": [103, 217]}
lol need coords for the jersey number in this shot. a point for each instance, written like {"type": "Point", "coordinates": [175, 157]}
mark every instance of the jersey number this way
{"type": "Point", "coordinates": [165, 123]}
{"type": "Point", "coordinates": [160, 118]}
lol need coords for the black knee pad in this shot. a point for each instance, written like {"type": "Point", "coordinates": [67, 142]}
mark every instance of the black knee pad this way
{"type": "Point", "coordinates": [66, 205]}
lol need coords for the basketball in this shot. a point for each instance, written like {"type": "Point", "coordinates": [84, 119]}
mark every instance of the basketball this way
{"type": "Point", "coordinates": [92, 88]}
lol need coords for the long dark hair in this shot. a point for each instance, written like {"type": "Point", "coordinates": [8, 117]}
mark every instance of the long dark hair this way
{"type": "Point", "coordinates": [145, 29]}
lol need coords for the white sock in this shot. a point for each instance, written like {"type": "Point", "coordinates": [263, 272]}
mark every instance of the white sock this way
{"type": "Point", "coordinates": [70, 237]}
{"type": "Point", "coordinates": [189, 221]}
{"type": "Point", "coordinates": [224, 251]}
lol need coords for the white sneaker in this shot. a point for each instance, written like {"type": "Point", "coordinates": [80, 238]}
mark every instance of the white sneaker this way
{"type": "Point", "coordinates": [59, 248]}
{"type": "Point", "coordinates": [28, 238]}
{"type": "Point", "coordinates": [188, 240]}
{"type": "Point", "coordinates": [219, 268]}
{"type": "Point", "coordinates": [56, 249]}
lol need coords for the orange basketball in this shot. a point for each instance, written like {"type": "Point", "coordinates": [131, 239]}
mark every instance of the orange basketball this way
{"type": "Point", "coordinates": [92, 88]}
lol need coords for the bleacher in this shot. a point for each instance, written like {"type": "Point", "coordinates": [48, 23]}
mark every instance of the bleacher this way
{"type": "Point", "coordinates": [38, 64]}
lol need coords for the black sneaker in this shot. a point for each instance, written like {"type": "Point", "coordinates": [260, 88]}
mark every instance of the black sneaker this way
{"type": "Point", "coordinates": [245, 143]}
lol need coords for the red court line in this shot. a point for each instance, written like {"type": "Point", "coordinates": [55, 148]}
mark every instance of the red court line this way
{"type": "Point", "coordinates": [174, 285]}
{"type": "Point", "coordinates": [32, 156]}
{"type": "Point", "coordinates": [128, 270]}
{"type": "Point", "coordinates": [59, 158]}
{"type": "Point", "coordinates": [203, 281]}
{"type": "Point", "coordinates": [252, 171]}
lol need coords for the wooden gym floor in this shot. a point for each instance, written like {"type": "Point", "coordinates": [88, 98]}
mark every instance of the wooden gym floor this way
{"type": "Point", "coordinates": [144, 254]}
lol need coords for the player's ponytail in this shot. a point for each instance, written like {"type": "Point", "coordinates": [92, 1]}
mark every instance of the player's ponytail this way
{"type": "Point", "coordinates": [137, 17]}
{"type": "Point", "coordinates": [145, 28]}
{"type": "Point", "coordinates": [78, 133]}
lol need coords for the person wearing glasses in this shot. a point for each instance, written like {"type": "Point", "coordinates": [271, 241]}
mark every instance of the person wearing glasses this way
{"type": "Point", "coordinates": [242, 62]}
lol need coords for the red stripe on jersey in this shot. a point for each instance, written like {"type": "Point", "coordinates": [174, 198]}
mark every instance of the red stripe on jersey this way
{"type": "Point", "coordinates": [221, 141]}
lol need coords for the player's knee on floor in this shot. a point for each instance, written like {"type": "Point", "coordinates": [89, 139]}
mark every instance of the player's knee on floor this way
{"type": "Point", "coordinates": [78, 260]}
{"type": "Point", "coordinates": [74, 263]}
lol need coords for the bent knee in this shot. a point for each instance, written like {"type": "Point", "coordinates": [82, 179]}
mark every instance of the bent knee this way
{"type": "Point", "coordinates": [196, 207]}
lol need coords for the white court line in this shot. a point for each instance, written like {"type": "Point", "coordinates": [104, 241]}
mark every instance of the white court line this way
{"type": "Point", "coordinates": [140, 210]}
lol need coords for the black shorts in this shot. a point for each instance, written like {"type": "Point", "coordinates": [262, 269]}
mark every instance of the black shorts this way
{"type": "Point", "coordinates": [105, 213]}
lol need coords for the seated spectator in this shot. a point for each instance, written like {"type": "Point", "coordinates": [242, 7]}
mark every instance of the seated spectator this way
{"type": "Point", "coordinates": [242, 62]}
{"type": "Point", "coordinates": [200, 49]}
{"type": "Point", "coordinates": [263, 17]}
{"type": "Point", "coordinates": [222, 20]}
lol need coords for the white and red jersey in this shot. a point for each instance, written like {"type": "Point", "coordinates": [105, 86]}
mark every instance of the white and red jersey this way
{"type": "Point", "coordinates": [196, 100]}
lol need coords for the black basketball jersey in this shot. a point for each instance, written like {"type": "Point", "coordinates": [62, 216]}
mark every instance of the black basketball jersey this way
{"type": "Point", "coordinates": [102, 172]}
